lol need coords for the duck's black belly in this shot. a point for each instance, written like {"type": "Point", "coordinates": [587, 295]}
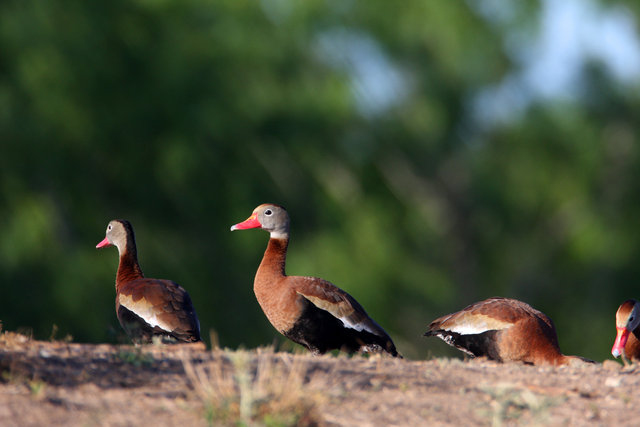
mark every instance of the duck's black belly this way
{"type": "Point", "coordinates": [479, 345]}
{"type": "Point", "coordinates": [320, 331]}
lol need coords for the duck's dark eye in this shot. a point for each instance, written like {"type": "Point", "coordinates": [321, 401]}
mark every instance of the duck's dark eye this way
{"type": "Point", "coordinates": [268, 212]}
{"type": "Point", "coordinates": [109, 227]}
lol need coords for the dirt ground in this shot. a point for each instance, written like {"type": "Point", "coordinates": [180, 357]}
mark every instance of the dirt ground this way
{"type": "Point", "coordinates": [58, 383]}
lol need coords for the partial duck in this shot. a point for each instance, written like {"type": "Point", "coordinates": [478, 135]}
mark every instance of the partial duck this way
{"type": "Point", "coordinates": [627, 343]}
{"type": "Point", "coordinates": [148, 308]}
{"type": "Point", "coordinates": [502, 329]}
{"type": "Point", "coordinates": [309, 311]}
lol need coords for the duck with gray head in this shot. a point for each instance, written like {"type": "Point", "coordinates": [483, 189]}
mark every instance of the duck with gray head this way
{"type": "Point", "coordinates": [309, 311]}
{"type": "Point", "coordinates": [148, 308]}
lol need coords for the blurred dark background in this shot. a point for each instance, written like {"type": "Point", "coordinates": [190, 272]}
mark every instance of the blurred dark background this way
{"type": "Point", "coordinates": [430, 154]}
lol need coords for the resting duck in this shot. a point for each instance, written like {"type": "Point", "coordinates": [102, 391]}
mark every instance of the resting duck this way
{"type": "Point", "coordinates": [502, 329]}
{"type": "Point", "coordinates": [628, 327]}
{"type": "Point", "coordinates": [309, 311]}
{"type": "Point", "coordinates": [148, 308]}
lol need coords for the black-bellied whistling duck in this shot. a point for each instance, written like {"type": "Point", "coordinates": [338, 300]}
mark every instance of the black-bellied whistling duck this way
{"type": "Point", "coordinates": [627, 343]}
{"type": "Point", "coordinates": [148, 308]}
{"type": "Point", "coordinates": [502, 329]}
{"type": "Point", "coordinates": [309, 311]}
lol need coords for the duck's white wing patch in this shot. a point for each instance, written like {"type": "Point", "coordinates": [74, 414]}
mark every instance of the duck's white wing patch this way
{"type": "Point", "coordinates": [361, 326]}
{"type": "Point", "coordinates": [474, 324]}
{"type": "Point", "coordinates": [343, 311]}
{"type": "Point", "coordinates": [145, 310]}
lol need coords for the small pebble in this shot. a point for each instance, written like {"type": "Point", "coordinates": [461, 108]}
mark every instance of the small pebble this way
{"type": "Point", "coordinates": [613, 382]}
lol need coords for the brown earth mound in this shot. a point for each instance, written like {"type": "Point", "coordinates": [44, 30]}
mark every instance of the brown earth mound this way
{"type": "Point", "coordinates": [58, 383]}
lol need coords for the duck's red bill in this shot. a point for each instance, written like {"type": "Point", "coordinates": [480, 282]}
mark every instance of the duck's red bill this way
{"type": "Point", "coordinates": [251, 222]}
{"type": "Point", "coordinates": [621, 340]}
{"type": "Point", "coordinates": [103, 243]}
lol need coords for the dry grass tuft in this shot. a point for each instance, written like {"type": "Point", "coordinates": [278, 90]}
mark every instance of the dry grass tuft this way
{"type": "Point", "coordinates": [239, 388]}
{"type": "Point", "coordinates": [13, 340]}
{"type": "Point", "coordinates": [509, 402]}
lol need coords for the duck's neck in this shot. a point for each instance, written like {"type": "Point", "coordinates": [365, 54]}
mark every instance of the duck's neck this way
{"type": "Point", "coordinates": [552, 355]}
{"type": "Point", "coordinates": [128, 268]}
{"type": "Point", "coordinates": [274, 259]}
{"type": "Point", "coordinates": [632, 347]}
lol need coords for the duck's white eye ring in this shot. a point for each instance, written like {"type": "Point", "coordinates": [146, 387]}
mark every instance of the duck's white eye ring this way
{"type": "Point", "coordinates": [109, 227]}
{"type": "Point", "coordinates": [268, 212]}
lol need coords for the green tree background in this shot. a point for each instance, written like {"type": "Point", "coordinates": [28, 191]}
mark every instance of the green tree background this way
{"type": "Point", "coordinates": [182, 116]}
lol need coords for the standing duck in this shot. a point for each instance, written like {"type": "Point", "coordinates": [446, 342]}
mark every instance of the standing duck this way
{"type": "Point", "coordinates": [502, 329]}
{"type": "Point", "coordinates": [148, 308]}
{"type": "Point", "coordinates": [627, 343]}
{"type": "Point", "coordinates": [309, 311]}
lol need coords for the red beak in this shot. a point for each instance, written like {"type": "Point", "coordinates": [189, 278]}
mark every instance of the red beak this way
{"type": "Point", "coordinates": [251, 222]}
{"type": "Point", "coordinates": [621, 340]}
{"type": "Point", "coordinates": [103, 243]}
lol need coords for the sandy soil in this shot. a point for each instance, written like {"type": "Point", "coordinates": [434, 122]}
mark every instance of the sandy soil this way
{"type": "Point", "coordinates": [58, 383]}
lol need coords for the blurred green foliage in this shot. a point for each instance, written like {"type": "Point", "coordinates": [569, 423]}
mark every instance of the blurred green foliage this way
{"type": "Point", "coordinates": [182, 116]}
